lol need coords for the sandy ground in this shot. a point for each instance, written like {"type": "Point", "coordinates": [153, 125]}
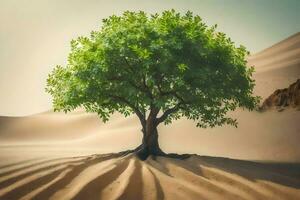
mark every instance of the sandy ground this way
{"type": "Point", "coordinates": [114, 177]}
{"type": "Point", "coordinates": [53, 155]}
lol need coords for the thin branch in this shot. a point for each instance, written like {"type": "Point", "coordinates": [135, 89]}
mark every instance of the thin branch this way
{"type": "Point", "coordinates": [127, 63]}
{"type": "Point", "coordinates": [173, 93]}
{"type": "Point", "coordinates": [140, 115]}
{"type": "Point", "coordinates": [168, 112]}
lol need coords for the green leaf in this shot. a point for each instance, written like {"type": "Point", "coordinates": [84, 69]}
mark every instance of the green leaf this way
{"type": "Point", "coordinates": [138, 62]}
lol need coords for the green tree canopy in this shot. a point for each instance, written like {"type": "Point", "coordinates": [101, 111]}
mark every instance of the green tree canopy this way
{"type": "Point", "coordinates": [160, 67]}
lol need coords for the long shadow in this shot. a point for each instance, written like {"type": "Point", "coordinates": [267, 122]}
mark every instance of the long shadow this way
{"type": "Point", "coordinates": [287, 174]}
{"type": "Point", "coordinates": [135, 187]}
{"type": "Point", "coordinates": [52, 189]}
{"type": "Point", "coordinates": [32, 165]}
{"type": "Point", "coordinates": [12, 180]}
{"type": "Point", "coordinates": [27, 188]}
{"type": "Point", "coordinates": [93, 189]}
{"type": "Point", "coordinates": [197, 171]}
{"type": "Point", "coordinates": [159, 191]}
{"type": "Point", "coordinates": [18, 163]}
{"type": "Point", "coordinates": [157, 165]}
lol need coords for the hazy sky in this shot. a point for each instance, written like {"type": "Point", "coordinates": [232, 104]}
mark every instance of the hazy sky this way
{"type": "Point", "coordinates": [35, 35]}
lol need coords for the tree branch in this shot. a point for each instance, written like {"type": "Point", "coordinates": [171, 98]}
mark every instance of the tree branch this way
{"type": "Point", "coordinates": [140, 115]}
{"type": "Point", "coordinates": [153, 113]}
{"type": "Point", "coordinates": [173, 93]}
{"type": "Point", "coordinates": [167, 113]}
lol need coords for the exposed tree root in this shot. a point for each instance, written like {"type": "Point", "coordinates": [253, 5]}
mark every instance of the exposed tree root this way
{"type": "Point", "coordinates": [143, 154]}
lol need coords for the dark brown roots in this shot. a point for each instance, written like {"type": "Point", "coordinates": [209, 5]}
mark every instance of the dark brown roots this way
{"type": "Point", "coordinates": [143, 153]}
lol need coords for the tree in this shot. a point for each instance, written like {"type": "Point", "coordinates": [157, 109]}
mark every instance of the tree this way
{"type": "Point", "coordinates": [159, 67]}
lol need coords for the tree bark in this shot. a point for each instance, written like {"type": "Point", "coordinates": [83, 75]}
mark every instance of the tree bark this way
{"type": "Point", "coordinates": [150, 144]}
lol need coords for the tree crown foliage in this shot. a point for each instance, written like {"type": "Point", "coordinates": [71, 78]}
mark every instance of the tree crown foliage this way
{"type": "Point", "coordinates": [168, 63]}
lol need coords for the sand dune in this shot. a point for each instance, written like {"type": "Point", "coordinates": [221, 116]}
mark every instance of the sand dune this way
{"type": "Point", "coordinates": [281, 48]}
{"type": "Point", "coordinates": [276, 67]}
{"type": "Point", "coordinates": [270, 135]}
{"type": "Point", "coordinates": [126, 177]}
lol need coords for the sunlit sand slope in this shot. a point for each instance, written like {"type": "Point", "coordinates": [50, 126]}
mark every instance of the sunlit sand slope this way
{"type": "Point", "coordinates": [277, 66]}
{"type": "Point", "coordinates": [126, 178]}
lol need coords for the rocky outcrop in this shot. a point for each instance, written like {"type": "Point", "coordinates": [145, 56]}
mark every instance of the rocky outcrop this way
{"type": "Point", "coordinates": [282, 98]}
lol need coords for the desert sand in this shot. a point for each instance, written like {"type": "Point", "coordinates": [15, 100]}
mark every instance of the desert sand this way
{"type": "Point", "coordinates": [57, 156]}
{"type": "Point", "coordinates": [126, 177]}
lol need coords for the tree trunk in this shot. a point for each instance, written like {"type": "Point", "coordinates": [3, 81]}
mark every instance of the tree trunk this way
{"type": "Point", "coordinates": [150, 144]}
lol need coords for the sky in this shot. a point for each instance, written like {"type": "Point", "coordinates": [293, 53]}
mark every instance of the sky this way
{"type": "Point", "coordinates": [35, 35]}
